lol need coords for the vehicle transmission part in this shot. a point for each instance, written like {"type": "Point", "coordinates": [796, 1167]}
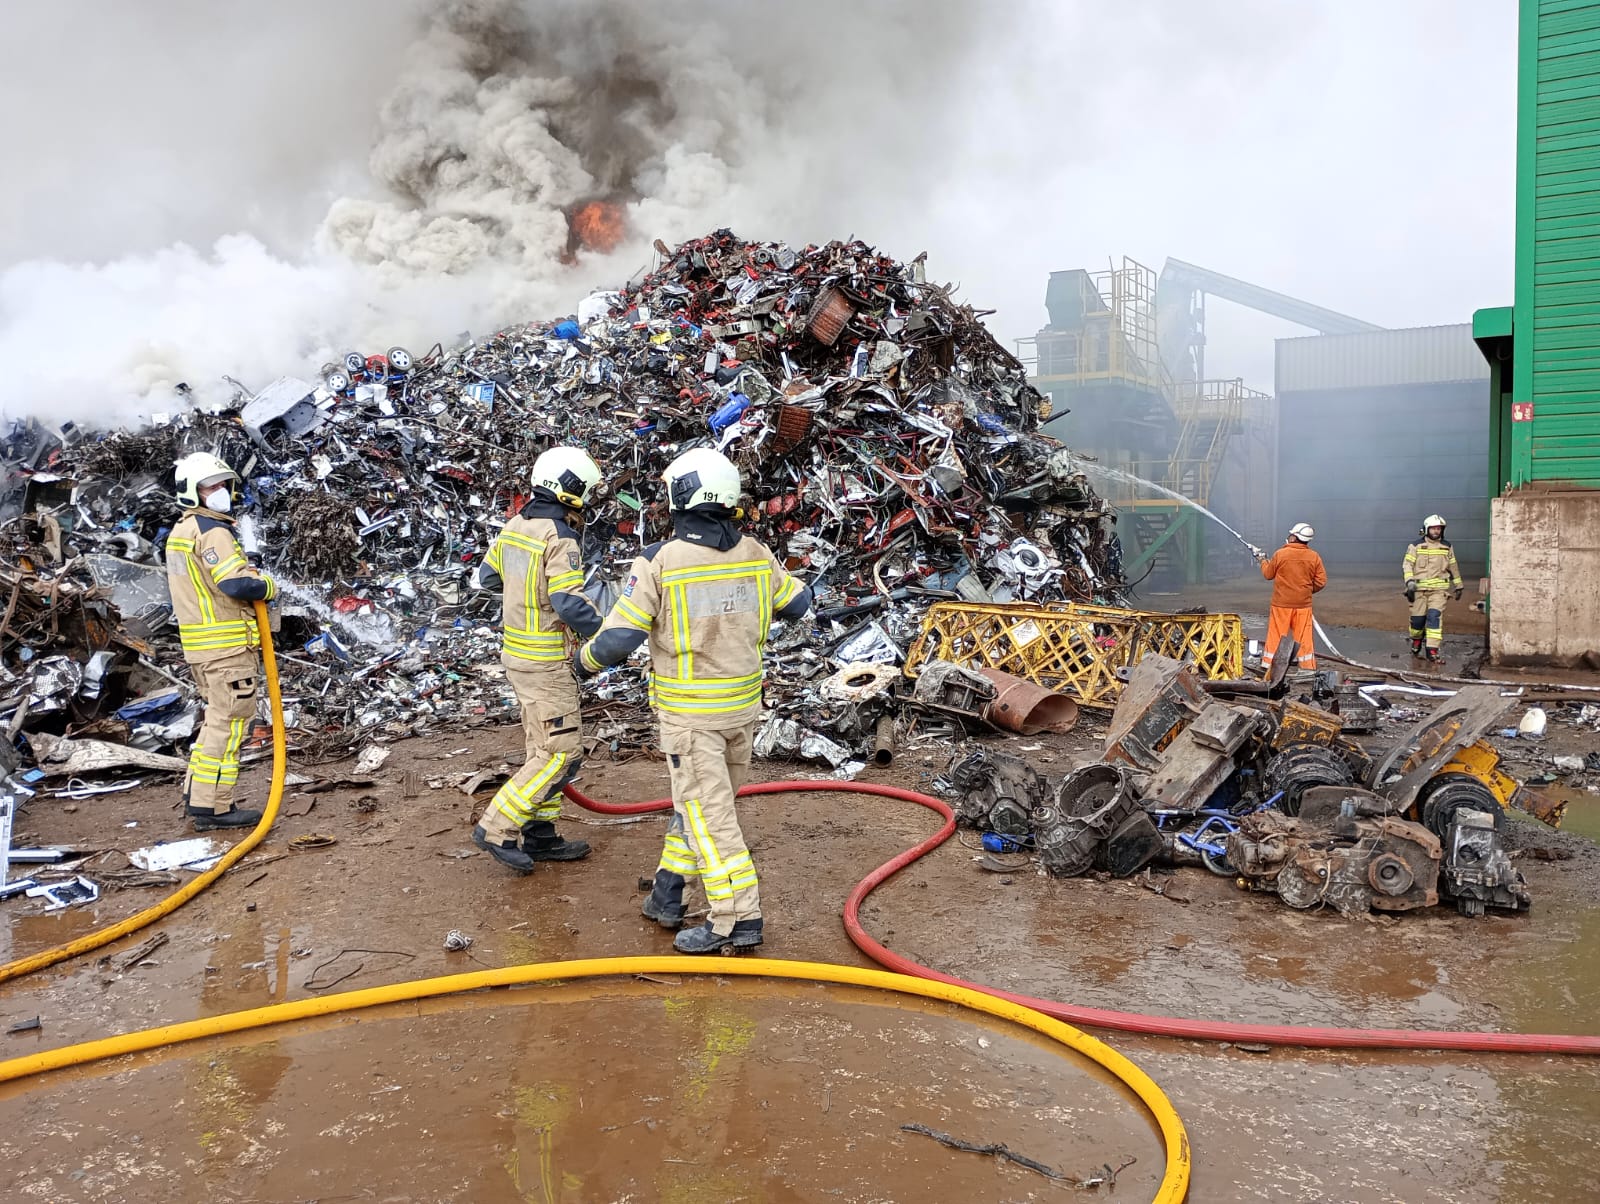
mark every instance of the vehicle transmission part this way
{"type": "Point", "coordinates": [1093, 806]}
{"type": "Point", "coordinates": [1478, 873]}
{"type": "Point", "coordinates": [1353, 865]}
{"type": "Point", "coordinates": [983, 780]}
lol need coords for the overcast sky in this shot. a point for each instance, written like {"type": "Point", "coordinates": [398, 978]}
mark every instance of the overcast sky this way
{"type": "Point", "coordinates": [1354, 153]}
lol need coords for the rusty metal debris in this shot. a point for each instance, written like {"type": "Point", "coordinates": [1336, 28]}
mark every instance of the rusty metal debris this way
{"type": "Point", "coordinates": [1353, 865]}
{"type": "Point", "coordinates": [889, 445]}
{"type": "Point", "coordinates": [1272, 791]}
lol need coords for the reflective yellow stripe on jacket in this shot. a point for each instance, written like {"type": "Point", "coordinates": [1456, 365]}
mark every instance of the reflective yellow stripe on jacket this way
{"type": "Point", "coordinates": [530, 641]}
{"type": "Point", "coordinates": [688, 693]}
{"type": "Point", "coordinates": [210, 634]}
{"type": "Point", "coordinates": [1431, 567]}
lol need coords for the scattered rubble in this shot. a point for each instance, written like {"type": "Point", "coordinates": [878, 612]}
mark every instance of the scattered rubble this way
{"type": "Point", "coordinates": [889, 445]}
{"type": "Point", "coordinates": [1272, 791]}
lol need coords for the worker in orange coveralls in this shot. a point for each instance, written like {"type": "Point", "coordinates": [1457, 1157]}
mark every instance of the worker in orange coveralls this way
{"type": "Point", "coordinates": [1296, 572]}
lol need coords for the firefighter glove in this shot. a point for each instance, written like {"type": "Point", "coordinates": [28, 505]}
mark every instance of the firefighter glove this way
{"type": "Point", "coordinates": [1411, 591]}
{"type": "Point", "coordinates": [1256, 552]}
{"type": "Point", "coordinates": [1460, 589]}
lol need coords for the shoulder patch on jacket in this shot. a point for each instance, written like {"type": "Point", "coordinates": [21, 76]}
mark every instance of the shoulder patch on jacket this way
{"type": "Point", "coordinates": [633, 580]}
{"type": "Point", "coordinates": [211, 557]}
{"type": "Point", "coordinates": [573, 562]}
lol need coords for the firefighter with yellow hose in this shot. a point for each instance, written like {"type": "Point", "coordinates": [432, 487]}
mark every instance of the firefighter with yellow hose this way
{"type": "Point", "coordinates": [535, 563]}
{"type": "Point", "coordinates": [214, 590]}
{"type": "Point", "coordinates": [1431, 573]}
{"type": "Point", "coordinates": [704, 600]}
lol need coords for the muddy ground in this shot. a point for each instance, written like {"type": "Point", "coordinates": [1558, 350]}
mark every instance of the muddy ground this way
{"type": "Point", "coordinates": [738, 1090]}
{"type": "Point", "coordinates": [721, 1089]}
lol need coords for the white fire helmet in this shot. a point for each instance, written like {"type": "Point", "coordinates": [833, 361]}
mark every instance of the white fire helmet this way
{"type": "Point", "coordinates": [1432, 521]}
{"type": "Point", "coordinates": [197, 469]}
{"type": "Point", "coordinates": [567, 472]}
{"type": "Point", "coordinates": [1302, 532]}
{"type": "Point", "coordinates": [702, 477]}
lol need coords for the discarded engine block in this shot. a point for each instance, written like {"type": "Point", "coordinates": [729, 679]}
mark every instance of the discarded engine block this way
{"type": "Point", "coordinates": [996, 791]}
{"type": "Point", "coordinates": [1352, 864]}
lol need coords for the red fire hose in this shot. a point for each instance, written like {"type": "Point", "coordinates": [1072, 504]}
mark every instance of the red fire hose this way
{"type": "Point", "coordinates": [1305, 1036]}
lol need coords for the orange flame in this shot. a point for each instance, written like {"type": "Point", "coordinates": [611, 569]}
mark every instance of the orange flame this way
{"type": "Point", "coordinates": [598, 225]}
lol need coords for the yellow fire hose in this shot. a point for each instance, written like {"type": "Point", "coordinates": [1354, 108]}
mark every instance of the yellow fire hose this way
{"type": "Point", "coordinates": [104, 936]}
{"type": "Point", "coordinates": [1174, 1183]}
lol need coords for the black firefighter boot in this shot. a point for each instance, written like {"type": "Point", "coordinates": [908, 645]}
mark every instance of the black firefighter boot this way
{"type": "Point", "coordinates": [541, 842]}
{"type": "Point", "coordinates": [664, 903]}
{"type": "Point", "coordinates": [508, 853]}
{"type": "Point", "coordinates": [207, 820]}
{"type": "Point", "coordinates": [1434, 658]}
{"type": "Point", "coordinates": [746, 934]}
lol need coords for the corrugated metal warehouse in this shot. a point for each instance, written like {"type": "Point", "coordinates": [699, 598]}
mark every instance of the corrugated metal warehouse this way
{"type": "Point", "coordinates": [1376, 431]}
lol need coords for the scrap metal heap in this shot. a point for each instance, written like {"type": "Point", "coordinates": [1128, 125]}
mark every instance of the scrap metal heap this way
{"type": "Point", "coordinates": [889, 445]}
{"type": "Point", "coordinates": [1273, 792]}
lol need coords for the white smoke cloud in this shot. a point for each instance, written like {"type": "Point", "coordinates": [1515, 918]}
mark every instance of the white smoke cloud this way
{"type": "Point", "coordinates": [499, 115]}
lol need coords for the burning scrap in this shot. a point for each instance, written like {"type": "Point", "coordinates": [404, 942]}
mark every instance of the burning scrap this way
{"type": "Point", "coordinates": [887, 442]}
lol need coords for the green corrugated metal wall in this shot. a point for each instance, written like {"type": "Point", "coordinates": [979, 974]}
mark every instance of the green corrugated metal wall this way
{"type": "Point", "coordinates": [1557, 348]}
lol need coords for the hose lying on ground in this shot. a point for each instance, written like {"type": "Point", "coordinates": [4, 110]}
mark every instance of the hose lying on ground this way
{"type": "Point", "coordinates": [1305, 1036]}
{"type": "Point", "coordinates": [104, 936]}
{"type": "Point", "coordinates": [1134, 1022]}
{"type": "Point", "coordinates": [1174, 1181]}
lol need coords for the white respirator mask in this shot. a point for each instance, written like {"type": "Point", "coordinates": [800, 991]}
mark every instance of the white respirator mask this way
{"type": "Point", "coordinates": [220, 500]}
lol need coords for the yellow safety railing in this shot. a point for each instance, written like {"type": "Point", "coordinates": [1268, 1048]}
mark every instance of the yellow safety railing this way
{"type": "Point", "coordinates": [1074, 648]}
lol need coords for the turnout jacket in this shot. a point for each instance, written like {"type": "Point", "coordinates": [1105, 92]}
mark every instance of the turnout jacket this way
{"type": "Point", "coordinates": [214, 588]}
{"type": "Point", "coordinates": [704, 600]}
{"type": "Point", "coordinates": [1431, 563]}
{"type": "Point", "coordinates": [535, 563]}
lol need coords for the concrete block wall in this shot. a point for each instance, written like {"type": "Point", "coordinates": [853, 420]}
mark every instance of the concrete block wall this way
{"type": "Point", "coordinates": [1544, 595]}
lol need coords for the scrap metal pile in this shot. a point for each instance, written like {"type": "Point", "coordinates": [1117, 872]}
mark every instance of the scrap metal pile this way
{"type": "Point", "coordinates": [1271, 792]}
{"type": "Point", "coordinates": [889, 446]}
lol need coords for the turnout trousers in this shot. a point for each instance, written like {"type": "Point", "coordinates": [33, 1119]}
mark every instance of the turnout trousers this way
{"type": "Point", "coordinates": [228, 688]}
{"type": "Point", "coordinates": [552, 731]}
{"type": "Point", "coordinates": [704, 841]}
{"type": "Point", "coordinates": [1427, 616]}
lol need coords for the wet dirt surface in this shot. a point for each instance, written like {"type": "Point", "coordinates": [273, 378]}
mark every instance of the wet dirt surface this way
{"type": "Point", "coordinates": [699, 1091]}
{"type": "Point", "coordinates": [1283, 1125]}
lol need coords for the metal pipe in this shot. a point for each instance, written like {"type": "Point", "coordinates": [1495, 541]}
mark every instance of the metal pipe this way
{"type": "Point", "coordinates": [883, 741]}
{"type": "Point", "coordinates": [1025, 708]}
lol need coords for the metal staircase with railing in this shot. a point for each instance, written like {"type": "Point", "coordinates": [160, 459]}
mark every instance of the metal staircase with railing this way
{"type": "Point", "coordinates": [1103, 335]}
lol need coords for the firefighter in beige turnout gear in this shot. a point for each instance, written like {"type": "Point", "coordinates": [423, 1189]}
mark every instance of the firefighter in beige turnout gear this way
{"type": "Point", "coordinates": [1431, 574]}
{"type": "Point", "coordinates": [536, 564]}
{"type": "Point", "coordinates": [214, 590]}
{"type": "Point", "coordinates": [704, 600]}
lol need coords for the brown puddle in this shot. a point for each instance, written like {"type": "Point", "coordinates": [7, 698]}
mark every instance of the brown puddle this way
{"type": "Point", "coordinates": [703, 1092]}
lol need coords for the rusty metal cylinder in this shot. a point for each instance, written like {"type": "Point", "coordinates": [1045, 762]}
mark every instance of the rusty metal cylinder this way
{"type": "Point", "coordinates": [883, 741]}
{"type": "Point", "coordinates": [1027, 709]}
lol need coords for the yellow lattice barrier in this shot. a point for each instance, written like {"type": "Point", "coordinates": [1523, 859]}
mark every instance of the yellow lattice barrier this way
{"type": "Point", "coordinates": [1074, 648]}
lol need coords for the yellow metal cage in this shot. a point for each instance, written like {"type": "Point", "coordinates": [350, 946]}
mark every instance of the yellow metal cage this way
{"type": "Point", "coordinates": [1075, 648]}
